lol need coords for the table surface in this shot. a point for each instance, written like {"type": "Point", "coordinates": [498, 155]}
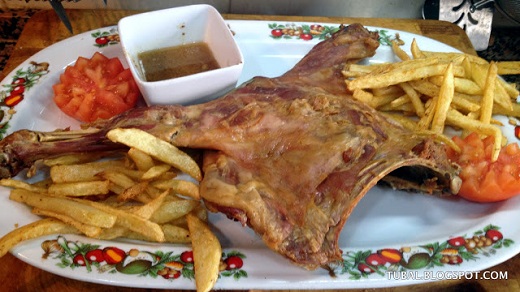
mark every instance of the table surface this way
{"type": "Point", "coordinates": [44, 29]}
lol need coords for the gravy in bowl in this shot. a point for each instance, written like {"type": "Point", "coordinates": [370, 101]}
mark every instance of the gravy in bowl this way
{"type": "Point", "coordinates": [177, 61]}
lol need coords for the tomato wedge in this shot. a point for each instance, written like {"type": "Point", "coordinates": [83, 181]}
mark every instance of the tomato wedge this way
{"type": "Point", "coordinates": [96, 88]}
{"type": "Point", "coordinates": [484, 180]}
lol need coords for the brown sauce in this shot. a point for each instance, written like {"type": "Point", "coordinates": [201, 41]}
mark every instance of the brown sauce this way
{"type": "Point", "coordinates": [177, 61]}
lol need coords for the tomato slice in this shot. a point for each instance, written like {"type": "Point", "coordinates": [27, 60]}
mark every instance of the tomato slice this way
{"type": "Point", "coordinates": [484, 180]}
{"type": "Point", "coordinates": [96, 88]}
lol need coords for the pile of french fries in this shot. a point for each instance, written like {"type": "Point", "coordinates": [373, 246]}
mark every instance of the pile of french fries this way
{"type": "Point", "coordinates": [137, 194]}
{"type": "Point", "coordinates": [428, 91]}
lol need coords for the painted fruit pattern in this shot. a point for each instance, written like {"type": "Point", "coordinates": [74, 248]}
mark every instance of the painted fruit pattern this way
{"type": "Point", "coordinates": [454, 251]}
{"type": "Point", "coordinates": [356, 264]}
{"type": "Point", "coordinates": [309, 32]}
{"type": "Point", "coordinates": [106, 38]}
{"type": "Point", "coordinates": [113, 259]}
{"type": "Point", "coordinates": [14, 92]}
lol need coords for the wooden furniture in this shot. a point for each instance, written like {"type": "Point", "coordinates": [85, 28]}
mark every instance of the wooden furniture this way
{"type": "Point", "coordinates": [44, 29]}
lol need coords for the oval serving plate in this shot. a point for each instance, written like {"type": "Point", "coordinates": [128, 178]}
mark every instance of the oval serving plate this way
{"type": "Point", "coordinates": [411, 232]}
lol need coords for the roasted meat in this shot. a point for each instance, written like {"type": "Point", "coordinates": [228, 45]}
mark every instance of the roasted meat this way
{"type": "Point", "coordinates": [289, 156]}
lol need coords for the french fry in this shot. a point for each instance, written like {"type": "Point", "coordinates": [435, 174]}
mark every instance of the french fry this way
{"type": "Point", "coordinates": [443, 101]}
{"type": "Point", "coordinates": [462, 85]}
{"type": "Point", "coordinates": [466, 63]}
{"type": "Point", "coordinates": [406, 108]}
{"type": "Point", "coordinates": [88, 230]}
{"type": "Point", "coordinates": [81, 212]}
{"type": "Point", "coordinates": [474, 92]}
{"type": "Point", "coordinates": [513, 112]}
{"type": "Point", "coordinates": [13, 183]}
{"type": "Point", "coordinates": [456, 118]}
{"type": "Point", "coordinates": [127, 171]}
{"type": "Point", "coordinates": [157, 148]}
{"type": "Point", "coordinates": [412, 125]}
{"type": "Point", "coordinates": [147, 210]}
{"type": "Point", "coordinates": [457, 58]}
{"type": "Point", "coordinates": [133, 192]}
{"type": "Point", "coordinates": [465, 103]}
{"type": "Point", "coordinates": [399, 52]}
{"type": "Point", "coordinates": [376, 101]}
{"type": "Point", "coordinates": [114, 233]}
{"type": "Point", "coordinates": [363, 96]}
{"type": "Point", "coordinates": [44, 183]}
{"type": "Point", "coordinates": [425, 121]}
{"type": "Point", "coordinates": [175, 234]}
{"type": "Point", "coordinates": [148, 229]}
{"type": "Point", "coordinates": [510, 88]}
{"type": "Point", "coordinates": [207, 253]}
{"type": "Point", "coordinates": [414, 98]}
{"type": "Point", "coordinates": [356, 70]}
{"type": "Point", "coordinates": [81, 172]}
{"type": "Point", "coordinates": [501, 95]}
{"type": "Point", "coordinates": [172, 234]}
{"type": "Point", "coordinates": [450, 56]}
{"type": "Point", "coordinates": [396, 76]}
{"type": "Point", "coordinates": [480, 74]}
{"type": "Point", "coordinates": [508, 68]}
{"type": "Point", "coordinates": [486, 109]}
{"type": "Point", "coordinates": [393, 91]}
{"type": "Point", "coordinates": [416, 51]}
{"type": "Point", "coordinates": [155, 171]}
{"type": "Point", "coordinates": [171, 210]}
{"type": "Point", "coordinates": [400, 101]}
{"type": "Point", "coordinates": [199, 211]}
{"type": "Point", "coordinates": [142, 160]}
{"type": "Point", "coordinates": [167, 175]}
{"type": "Point", "coordinates": [406, 122]}
{"type": "Point", "coordinates": [134, 196]}
{"type": "Point", "coordinates": [80, 189]}
{"type": "Point", "coordinates": [117, 178]}
{"type": "Point", "coordinates": [181, 187]}
{"type": "Point", "coordinates": [152, 191]}
{"type": "Point", "coordinates": [460, 100]}
{"type": "Point", "coordinates": [33, 230]}
{"type": "Point", "coordinates": [75, 158]}
{"type": "Point", "coordinates": [118, 190]}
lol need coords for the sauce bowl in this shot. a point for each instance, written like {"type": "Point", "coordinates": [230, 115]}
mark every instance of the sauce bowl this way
{"type": "Point", "coordinates": [180, 26]}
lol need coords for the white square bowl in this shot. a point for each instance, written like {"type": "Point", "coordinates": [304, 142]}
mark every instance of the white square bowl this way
{"type": "Point", "coordinates": [179, 26]}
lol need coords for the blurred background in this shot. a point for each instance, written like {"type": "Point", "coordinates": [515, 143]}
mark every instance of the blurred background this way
{"type": "Point", "coordinates": [501, 40]}
{"type": "Point", "coordinates": [347, 8]}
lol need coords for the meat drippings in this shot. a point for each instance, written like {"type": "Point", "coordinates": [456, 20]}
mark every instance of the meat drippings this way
{"type": "Point", "coordinates": [177, 61]}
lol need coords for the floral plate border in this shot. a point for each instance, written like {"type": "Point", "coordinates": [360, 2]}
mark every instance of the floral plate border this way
{"type": "Point", "coordinates": [357, 264]}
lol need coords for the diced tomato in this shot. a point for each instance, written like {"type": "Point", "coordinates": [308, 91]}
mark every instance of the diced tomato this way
{"type": "Point", "coordinates": [96, 88]}
{"type": "Point", "coordinates": [484, 180]}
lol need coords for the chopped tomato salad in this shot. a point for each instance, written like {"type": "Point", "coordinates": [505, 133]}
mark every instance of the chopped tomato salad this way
{"type": "Point", "coordinates": [96, 88]}
{"type": "Point", "coordinates": [484, 180]}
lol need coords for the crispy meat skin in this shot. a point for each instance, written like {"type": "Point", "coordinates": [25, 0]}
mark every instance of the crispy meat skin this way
{"type": "Point", "coordinates": [289, 156]}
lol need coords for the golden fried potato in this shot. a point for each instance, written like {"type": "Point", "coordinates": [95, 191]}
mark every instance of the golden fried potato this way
{"type": "Point", "coordinates": [157, 148]}
{"type": "Point", "coordinates": [33, 230]}
{"type": "Point", "coordinates": [207, 253]}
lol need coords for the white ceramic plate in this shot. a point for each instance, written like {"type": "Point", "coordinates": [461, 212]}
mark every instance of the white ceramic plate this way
{"type": "Point", "coordinates": [410, 232]}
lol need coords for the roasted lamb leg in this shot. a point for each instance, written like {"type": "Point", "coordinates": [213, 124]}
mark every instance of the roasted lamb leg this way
{"type": "Point", "coordinates": [289, 156]}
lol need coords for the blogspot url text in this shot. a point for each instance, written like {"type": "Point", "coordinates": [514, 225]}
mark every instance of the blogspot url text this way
{"type": "Point", "coordinates": [446, 275]}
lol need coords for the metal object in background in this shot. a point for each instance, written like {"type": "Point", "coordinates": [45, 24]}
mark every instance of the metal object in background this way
{"type": "Point", "coordinates": [475, 19]}
{"type": "Point", "coordinates": [509, 8]}
{"type": "Point", "coordinates": [62, 14]}
{"type": "Point", "coordinates": [474, 16]}
{"type": "Point", "coordinates": [58, 8]}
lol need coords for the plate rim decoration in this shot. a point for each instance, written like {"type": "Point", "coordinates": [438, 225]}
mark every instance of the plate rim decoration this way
{"type": "Point", "coordinates": [422, 239]}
